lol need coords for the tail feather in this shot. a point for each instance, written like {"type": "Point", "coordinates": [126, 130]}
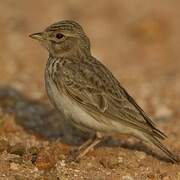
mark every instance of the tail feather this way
{"type": "Point", "coordinates": [159, 134]}
{"type": "Point", "coordinates": [157, 143]}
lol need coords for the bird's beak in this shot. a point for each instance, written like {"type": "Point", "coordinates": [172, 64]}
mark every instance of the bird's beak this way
{"type": "Point", "coordinates": [38, 36]}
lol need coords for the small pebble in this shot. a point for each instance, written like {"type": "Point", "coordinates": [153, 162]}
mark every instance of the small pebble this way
{"type": "Point", "coordinates": [77, 170]}
{"type": "Point", "coordinates": [141, 155]}
{"type": "Point", "coordinates": [89, 164]}
{"type": "Point", "coordinates": [45, 159]}
{"type": "Point", "coordinates": [14, 166]}
{"type": "Point", "coordinates": [108, 173]}
{"type": "Point", "coordinates": [120, 160]}
{"type": "Point", "coordinates": [111, 163]}
{"type": "Point", "coordinates": [62, 163]}
{"type": "Point", "coordinates": [127, 177]}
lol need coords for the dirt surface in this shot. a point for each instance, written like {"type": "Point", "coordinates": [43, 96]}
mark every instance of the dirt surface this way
{"type": "Point", "coordinates": [137, 40]}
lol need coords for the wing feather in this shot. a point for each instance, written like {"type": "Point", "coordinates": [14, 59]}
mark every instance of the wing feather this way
{"type": "Point", "coordinates": [98, 92]}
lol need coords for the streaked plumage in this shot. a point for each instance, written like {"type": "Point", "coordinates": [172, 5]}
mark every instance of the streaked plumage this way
{"type": "Point", "coordinates": [86, 91]}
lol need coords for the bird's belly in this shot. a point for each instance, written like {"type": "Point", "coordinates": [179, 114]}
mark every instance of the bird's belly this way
{"type": "Point", "coordinates": [72, 111]}
{"type": "Point", "coordinates": [79, 117]}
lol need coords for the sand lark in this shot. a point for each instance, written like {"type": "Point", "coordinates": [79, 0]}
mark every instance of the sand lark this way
{"type": "Point", "coordinates": [87, 93]}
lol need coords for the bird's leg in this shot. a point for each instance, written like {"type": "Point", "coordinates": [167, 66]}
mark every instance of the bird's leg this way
{"type": "Point", "coordinates": [88, 145]}
{"type": "Point", "coordinates": [76, 150]}
{"type": "Point", "coordinates": [85, 144]}
{"type": "Point", "coordinates": [78, 153]}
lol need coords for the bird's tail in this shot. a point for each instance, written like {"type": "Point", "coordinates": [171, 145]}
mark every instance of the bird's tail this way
{"type": "Point", "coordinates": [157, 143]}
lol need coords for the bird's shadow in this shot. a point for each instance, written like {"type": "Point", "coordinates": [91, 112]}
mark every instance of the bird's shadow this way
{"type": "Point", "coordinates": [40, 118]}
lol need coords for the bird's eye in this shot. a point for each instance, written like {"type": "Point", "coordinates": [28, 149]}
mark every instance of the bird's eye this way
{"type": "Point", "coordinates": [59, 35]}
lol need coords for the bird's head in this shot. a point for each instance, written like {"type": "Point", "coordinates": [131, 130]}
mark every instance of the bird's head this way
{"type": "Point", "coordinates": [64, 38]}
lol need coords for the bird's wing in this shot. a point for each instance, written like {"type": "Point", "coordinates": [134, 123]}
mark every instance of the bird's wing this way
{"type": "Point", "coordinates": [96, 90]}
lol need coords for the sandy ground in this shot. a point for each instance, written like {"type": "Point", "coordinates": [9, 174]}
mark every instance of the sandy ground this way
{"type": "Point", "coordinates": [137, 40]}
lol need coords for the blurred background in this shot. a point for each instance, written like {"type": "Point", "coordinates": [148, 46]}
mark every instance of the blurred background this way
{"type": "Point", "coordinates": [139, 41]}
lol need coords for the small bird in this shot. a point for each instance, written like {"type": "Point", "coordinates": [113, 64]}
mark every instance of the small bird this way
{"type": "Point", "coordinates": [87, 93]}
